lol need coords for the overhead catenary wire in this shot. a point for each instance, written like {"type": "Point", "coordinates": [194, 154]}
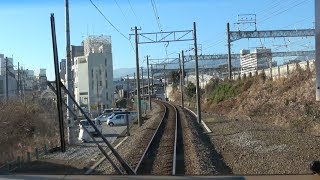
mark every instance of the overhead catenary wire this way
{"type": "Point", "coordinates": [156, 15]}
{"type": "Point", "coordinates": [124, 16]}
{"type": "Point", "coordinates": [266, 11]}
{"type": "Point", "coordinates": [134, 13]}
{"type": "Point", "coordinates": [111, 23]}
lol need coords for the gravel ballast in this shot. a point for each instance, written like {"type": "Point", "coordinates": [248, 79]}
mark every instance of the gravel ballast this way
{"type": "Point", "coordinates": [250, 147]}
{"type": "Point", "coordinates": [132, 149]}
{"type": "Point", "coordinates": [200, 155]}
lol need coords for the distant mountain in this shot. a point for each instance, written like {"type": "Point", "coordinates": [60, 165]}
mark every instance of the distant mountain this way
{"type": "Point", "coordinates": [122, 72]}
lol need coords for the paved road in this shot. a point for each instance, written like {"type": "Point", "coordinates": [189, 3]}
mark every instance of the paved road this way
{"type": "Point", "coordinates": [111, 134]}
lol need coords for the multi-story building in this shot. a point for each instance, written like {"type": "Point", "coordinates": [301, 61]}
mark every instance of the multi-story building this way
{"type": "Point", "coordinates": [27, 78]}
{"type": "Point", "coordinates": [93, 74]}
{"type": "Point", "coordinates": [6, 65]}
{"type": "Point", "coordinates": [255, 60]}
{"type": "Point", "coordinates": [63, 69]}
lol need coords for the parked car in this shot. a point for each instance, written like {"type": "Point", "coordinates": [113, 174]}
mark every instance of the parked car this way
{"type": "Point", "coordinates": [103, 117]}
{"type": "Point", "coordinates": [119, 118]}
{"type": "Point", "coordinates": [83, 136]}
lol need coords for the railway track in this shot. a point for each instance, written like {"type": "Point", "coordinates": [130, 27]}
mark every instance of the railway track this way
{"type": "Point", "coordinates": [162, 155]}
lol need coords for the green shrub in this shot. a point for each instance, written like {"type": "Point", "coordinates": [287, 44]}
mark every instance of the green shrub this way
{"type": "Point", "coordinates": [225, 91]}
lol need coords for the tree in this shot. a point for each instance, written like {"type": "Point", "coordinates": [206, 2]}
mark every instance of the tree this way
{"type": "Point", "coordinates": [174, 77]}
{"type": "Point", "coordinates": [190, 90]}
{"type": "Point", "coordinates": [121, 103]}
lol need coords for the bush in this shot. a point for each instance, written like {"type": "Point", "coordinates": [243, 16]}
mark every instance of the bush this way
{"type": "Point", "coordinates": [190, 90]}
{"type": "Point", "coordinates": [225, 90]}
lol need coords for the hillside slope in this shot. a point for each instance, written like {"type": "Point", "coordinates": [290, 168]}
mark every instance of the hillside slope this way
{"type": "Point", "coordinates": [288, 102]}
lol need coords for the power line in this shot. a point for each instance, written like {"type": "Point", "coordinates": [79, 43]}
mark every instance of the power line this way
{"type": "Point", "coordinates": [277, 13]}
{"type": "Point", "coordinates": [134, 13]}
{"type": "Point", "coordinates": [111, 24]}
{"type": "Point", "coordinates": [108, 20]}
{"type": "Point", "coordinates": [155, 11]}
{"type": "Point", "coordinates": [124, 16]}
{"type": "Point", "coordinates": [156, 15]}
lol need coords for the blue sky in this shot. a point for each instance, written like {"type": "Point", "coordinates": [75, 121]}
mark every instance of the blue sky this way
{"type": "Point", "coordinates": [25, 26]}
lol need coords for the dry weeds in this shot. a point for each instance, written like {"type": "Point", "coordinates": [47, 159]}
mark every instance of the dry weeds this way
{"type": "Point", "coordinates": [25, 126]}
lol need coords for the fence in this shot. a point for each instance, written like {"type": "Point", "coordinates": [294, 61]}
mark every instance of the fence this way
{"type": "Point", "coordinates": [21, 161]}
{"type": "Point", "coordinates": [280, 71]}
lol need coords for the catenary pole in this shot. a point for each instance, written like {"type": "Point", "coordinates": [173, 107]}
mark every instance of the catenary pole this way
{"type": "Point", "coordinates": [58, 85]}
{"type": "Point", "coordinates": [149, 91]}
{"type": "Point", "coordinates": [197, 72]}
{"type": "Point", "coordinates": [7, 83]}
{"type": "Point", "coordinates": [138, 77]}
{"type": "Point", "coordinates": [317, 44]}
{"type": "Point", "coordinates": [70, 118]}
{"type": "Point", "coordinates": [229, 51]}
{"type": "Point", "coordinates": [182, 90]}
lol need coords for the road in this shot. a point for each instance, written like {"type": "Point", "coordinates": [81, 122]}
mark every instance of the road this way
{"type": "Point", "coordinates": [110, 133]}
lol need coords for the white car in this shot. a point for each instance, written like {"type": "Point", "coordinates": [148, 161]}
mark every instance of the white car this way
{"type": "Point", "coordinates": [117, 119]}
{"type": "Point", "coordinates": [87, 125]}
{"type": "Point", "coordinates": [83, 135]}
{"type": "Point", "coordinates": [103, 117]}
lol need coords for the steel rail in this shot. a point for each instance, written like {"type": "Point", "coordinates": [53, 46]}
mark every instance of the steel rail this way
{"type": "Point", "coordinates": [154, 135]}
{"type": "Point", "coordinates": [174, 157]}
{"type": "Point", "coordinates": [175, 142]}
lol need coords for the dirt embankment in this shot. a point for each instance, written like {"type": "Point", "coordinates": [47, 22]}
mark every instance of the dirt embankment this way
{"type": "Point", "coordinates": [287, 102]}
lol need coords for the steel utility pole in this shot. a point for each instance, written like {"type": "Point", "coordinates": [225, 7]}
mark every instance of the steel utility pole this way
{"type": "Point", "coordinates": [58, 83]}
{"type": "Point", "coordinates": [137, 72]}
{"type": "Point", "coordinates": [181, 81]}
{"type": "Point", "coordinates": [197, 72]}
{"type": "Point", "coordinates": [70, 118]}
{"type": "Point", "coordinates": [128, 99]}
{"type": "Point", "coordinates": [152, 80]}
{"type": "Point", "coordinates": [18, 82]}
{"type": "Point", "coordinates": [149, 91]}
{"type": "Point", "coordinates": [7, 84]}
{"type": "Point", "coordinates": [182, 60]}
{"type": "Point", "coordinates": [164, 82]}
{"type": "Point", "coordinates": [317, 39]}
{"type": "Point", "coordinates": [142, 83]}
{"type": "Point", "coordinates": [229, 51]}
{"type": "Point", "coordinates": [135, 82]}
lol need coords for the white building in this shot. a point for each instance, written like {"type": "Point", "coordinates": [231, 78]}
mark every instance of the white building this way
{"type": "Point", "coordinates": [93, 74]}
{"type": "Point", "coordinates": [3, 64]}
{"type": "Point", "coordinates": [63, 69]}
{"type": "Point", "coordinates": [255, 60]}
{"type": "Point", "coordinates": [12, 82]}
{"type": "Point", "coordinates": [27, 78]}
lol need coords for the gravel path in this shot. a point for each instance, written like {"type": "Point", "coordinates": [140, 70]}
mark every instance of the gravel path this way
{"type": "Point", "coordinates": [132, 149]}
{"type": "Point", "coordinates": [77, 158]}
{"type": "Point", "coordinates": [250, 147]}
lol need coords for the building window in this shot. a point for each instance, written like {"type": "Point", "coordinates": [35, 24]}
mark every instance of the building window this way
{"type": "Point", "coordinates": [1, 87]}
{"type": "Point", "coordinates": [83, 93]}
{"type": "Point", "coordinates": [107, 98]}
{"type": "Point", "coordinates": [100, 83]}
{"type": "Point", "coordinates": [100, 72]}
{"type": "Point", "coordinates": [106, 84]}
{"type": "Point", "coordinates": [92, 84]}
{"type": "Point", "coordinates": [92, 73]}
{"type": "Point", "coordinates": [105, 61]}
{"type": "Point", "coordinates": [106, 74]}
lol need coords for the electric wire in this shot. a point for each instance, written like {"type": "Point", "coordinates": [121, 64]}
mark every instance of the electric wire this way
{"type": "Point", "coordinates": [111, 23]}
